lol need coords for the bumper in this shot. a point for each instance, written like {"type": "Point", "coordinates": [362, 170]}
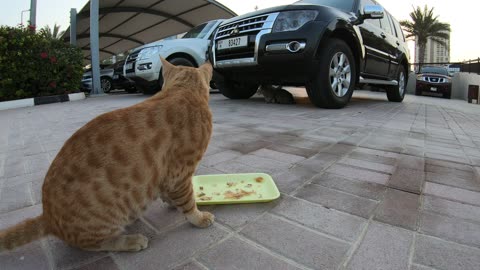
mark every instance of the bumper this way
{"type": "Point", "coordinates": [86, 85]}
{"type": "Point", "coordinates": [433, 89]}
{"type": "Point", "coordinates": [121, 82]}
{"type": "Point", "coordinates": [273, 62]}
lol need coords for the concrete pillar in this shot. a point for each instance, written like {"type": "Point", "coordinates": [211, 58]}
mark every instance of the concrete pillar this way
{"type": "Point", "coordinates": [95, 48]}
{"type": "Point", "coordinates": [73, 26]}
{"type": "Point", "coordinates": [33, 13]}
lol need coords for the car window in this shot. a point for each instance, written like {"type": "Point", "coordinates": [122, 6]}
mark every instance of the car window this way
{"type": "Point", "coordinates": [386, 26]}
{"type": "Point", "coordinates": [394, 30]}
{"type": "Point", "coordinates": [200, 31]}
{"type": "Point", "coordinates": [399, 29]}
{"type": "Point", "coordinates": [345, 5]}
{"type": "Point", "coordinates": [434, 70]}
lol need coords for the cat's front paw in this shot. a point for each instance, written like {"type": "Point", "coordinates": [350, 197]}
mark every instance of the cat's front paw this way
{"type": "Point", "coordinates": [206, 220]}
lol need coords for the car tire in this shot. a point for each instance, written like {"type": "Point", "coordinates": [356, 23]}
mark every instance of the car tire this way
{"type": "Point", "coordinates": [236, 90]}
{"type": "Point", "coordinates": [336, 70]}
{"type": "Point", "coordinates": [213, 85]}
{"type": "Point", "coordinates": [397, 93]}
{"type": "Point", "coordinates": [106, 84]}
{"type": "Point", "coordinates": [131, 90]}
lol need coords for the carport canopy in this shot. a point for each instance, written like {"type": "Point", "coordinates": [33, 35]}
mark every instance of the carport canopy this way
{"type": "Point", "coordinates": [127, 24]}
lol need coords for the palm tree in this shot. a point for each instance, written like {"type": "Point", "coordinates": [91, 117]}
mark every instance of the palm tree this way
{"type": "Point", "coordinates": [424, 26]}
{"type": "Point", "coordinates": [50, 33]}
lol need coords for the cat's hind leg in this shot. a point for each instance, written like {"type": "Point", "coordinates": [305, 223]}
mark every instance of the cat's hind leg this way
{"type": "Point", "coordinates": [183, 198]}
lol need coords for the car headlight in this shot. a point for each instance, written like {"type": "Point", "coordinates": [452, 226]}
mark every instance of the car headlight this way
{"type": "Point", "coordinates": [420, 78]}
{"type": "Point", "coordinates": [293, 20]}
{"type": "Point", "coordinates": [149, 52]}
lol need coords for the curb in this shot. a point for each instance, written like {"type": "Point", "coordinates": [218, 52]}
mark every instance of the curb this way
{"type": "Point", "coordinates": [30, 102]}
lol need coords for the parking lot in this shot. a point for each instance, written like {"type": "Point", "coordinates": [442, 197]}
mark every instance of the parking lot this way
{"type": "Point", "coordinates": [376, 185]}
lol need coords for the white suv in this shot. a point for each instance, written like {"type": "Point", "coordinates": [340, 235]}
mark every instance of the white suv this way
{"type": "Point", "coordinates": [144, 67]}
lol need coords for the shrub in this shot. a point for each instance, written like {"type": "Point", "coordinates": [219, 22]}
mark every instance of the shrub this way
{"type": "Point", "coordinates": [32, 65]}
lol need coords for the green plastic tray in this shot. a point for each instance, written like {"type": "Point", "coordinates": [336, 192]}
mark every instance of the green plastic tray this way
{"type": "Point", "coordinates": [234, 188]}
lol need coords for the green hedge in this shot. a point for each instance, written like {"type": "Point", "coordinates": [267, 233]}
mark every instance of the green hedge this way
{"type": "Point", "coordinates": [32, 65]}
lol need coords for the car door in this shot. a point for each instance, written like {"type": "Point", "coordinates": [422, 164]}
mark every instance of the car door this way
{"type": "Point", "coordinates": [374, 39]}
{"type": "Point", "coordinates": [389, 34]}
{"type": "Point", "coordinates": [399, 46]}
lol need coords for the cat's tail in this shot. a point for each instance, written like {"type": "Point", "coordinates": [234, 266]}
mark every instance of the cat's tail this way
{"type": "Point", "coordinates": [22, 233]}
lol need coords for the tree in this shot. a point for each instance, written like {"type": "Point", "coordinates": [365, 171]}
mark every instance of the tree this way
{"type": "Point", "coordinates": [50, 33]}
{"type": "Point", "coordinates": [424, 25]}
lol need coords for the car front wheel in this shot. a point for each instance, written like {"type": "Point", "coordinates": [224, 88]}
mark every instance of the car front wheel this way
{"type": "Point", "coordinates": [106, 84]}
{"type": "Point", "coordinates": [333, 84]}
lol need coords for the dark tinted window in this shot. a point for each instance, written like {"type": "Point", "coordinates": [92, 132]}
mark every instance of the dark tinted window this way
{"type": "Point", "coordinates": [345, 5]}
{"type": "Point", "coordinates": [386, 24]}
{"type": "Point", "coordinates": [399, 30]}
{"type": "Point", "coordinates": [394, 30]}
{"type": "Point", "coordinates": [434, 70]}
{"type": "Point", "coordinates": [200, 31]}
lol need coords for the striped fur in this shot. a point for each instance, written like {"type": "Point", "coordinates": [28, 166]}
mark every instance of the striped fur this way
{"type": "Point", "coordinates": [22, 233]}
{"type": "Point", "coordinates": [99, 183]}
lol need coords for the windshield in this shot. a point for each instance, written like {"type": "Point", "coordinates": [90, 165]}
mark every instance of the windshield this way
{"type": "Point", "coordinates": [345, 5]}
{"type": "Point", "coordinates": [200, 31]}
{"type": "Point", "coordinates": [434, 70]}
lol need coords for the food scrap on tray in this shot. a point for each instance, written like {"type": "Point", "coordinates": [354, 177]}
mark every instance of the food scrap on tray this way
{"type": "Point", "coordinates": [259, 179]}
{"type": "Point", "coordinates": [231, 184]}
{"type": "Point", "coordinates": [237, 195]}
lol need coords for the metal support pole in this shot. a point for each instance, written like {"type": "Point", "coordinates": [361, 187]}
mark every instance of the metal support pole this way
{"type": "Point", "coordinates": [73, 26]}
{"type": "Point", "coordinates": [33, 13]}
{"type": "Point", "coordinates": [21, 16]}
{"type": "Point", "coordinates": [94, 48]}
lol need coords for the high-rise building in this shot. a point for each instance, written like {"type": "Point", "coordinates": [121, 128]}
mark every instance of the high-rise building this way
{"type": "Point", "coordinates": [435, 52]}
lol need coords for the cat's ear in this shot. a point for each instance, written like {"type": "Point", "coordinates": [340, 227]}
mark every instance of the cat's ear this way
{"type": "Point", "coordinates": [166, 66]}
{"type": "Point", "coordinates": [207, 71]}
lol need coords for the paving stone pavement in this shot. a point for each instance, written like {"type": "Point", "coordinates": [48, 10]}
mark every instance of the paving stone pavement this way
{"type": "Point", "coordinates": [375, 185]}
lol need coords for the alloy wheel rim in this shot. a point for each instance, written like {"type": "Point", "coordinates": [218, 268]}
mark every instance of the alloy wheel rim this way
{"type": "Point", "coordinates": [340, 74]}
{"type": "Point", "coordinates": [401, 84]}
{"type": "Point", "coordinates": [106, 85]}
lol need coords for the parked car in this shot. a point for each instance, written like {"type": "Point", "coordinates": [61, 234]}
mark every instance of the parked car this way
{"type": "Point", "coordinates": [119, 81]}
{"type": "Point", "coordinates": [434, 81]}
{"type": "Point", "coordinates": [328, 46]}
{"type": "Point", "coordinates": [111, 77]}
{"type": "Point", "coordinates": [144, 67]}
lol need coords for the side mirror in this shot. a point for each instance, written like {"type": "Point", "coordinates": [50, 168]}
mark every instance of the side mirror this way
{"type": "Point", "coordinates": [373, 12]}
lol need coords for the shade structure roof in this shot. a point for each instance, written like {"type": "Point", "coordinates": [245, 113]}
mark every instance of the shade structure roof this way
{"type": "Point", "coordinates": [127, 24]}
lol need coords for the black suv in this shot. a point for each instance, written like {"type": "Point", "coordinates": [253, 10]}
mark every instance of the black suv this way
{"type": "Point", "coordinates": [328, 46]}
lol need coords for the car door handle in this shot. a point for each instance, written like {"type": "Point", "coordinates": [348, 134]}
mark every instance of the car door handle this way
{"type": "Point", "coordinates": [383, 35]}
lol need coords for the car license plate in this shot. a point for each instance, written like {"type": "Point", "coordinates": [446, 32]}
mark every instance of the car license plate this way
{"type": "Point", "coordinates": [129, 66]}
{"type": "Point", "coordinates": [434, 89]}
{"type": "Point", "coordinates": [115, 77]}
{"type": "Point", "coordinates": [232, 43]}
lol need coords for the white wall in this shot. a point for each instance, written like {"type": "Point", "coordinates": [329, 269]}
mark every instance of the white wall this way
{"type": "Point", "coordinates": [460, 84]}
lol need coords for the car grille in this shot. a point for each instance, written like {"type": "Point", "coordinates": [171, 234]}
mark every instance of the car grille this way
{"type": "Point", "coordinates": [252, 27]}
{"type": "Point", "coordinates": [435, 79]}
{"type": "Point", "coordinates": [244, 26]}
{"type": "Point", "coordinates": [132, 58]}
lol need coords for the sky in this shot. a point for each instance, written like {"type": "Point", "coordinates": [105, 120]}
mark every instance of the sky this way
{"type": "Point", "coordinates": [461, 14]}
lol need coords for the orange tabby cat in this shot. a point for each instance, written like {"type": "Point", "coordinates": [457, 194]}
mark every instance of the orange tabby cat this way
{"type": "Point", "coordinates": [100, 182]}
